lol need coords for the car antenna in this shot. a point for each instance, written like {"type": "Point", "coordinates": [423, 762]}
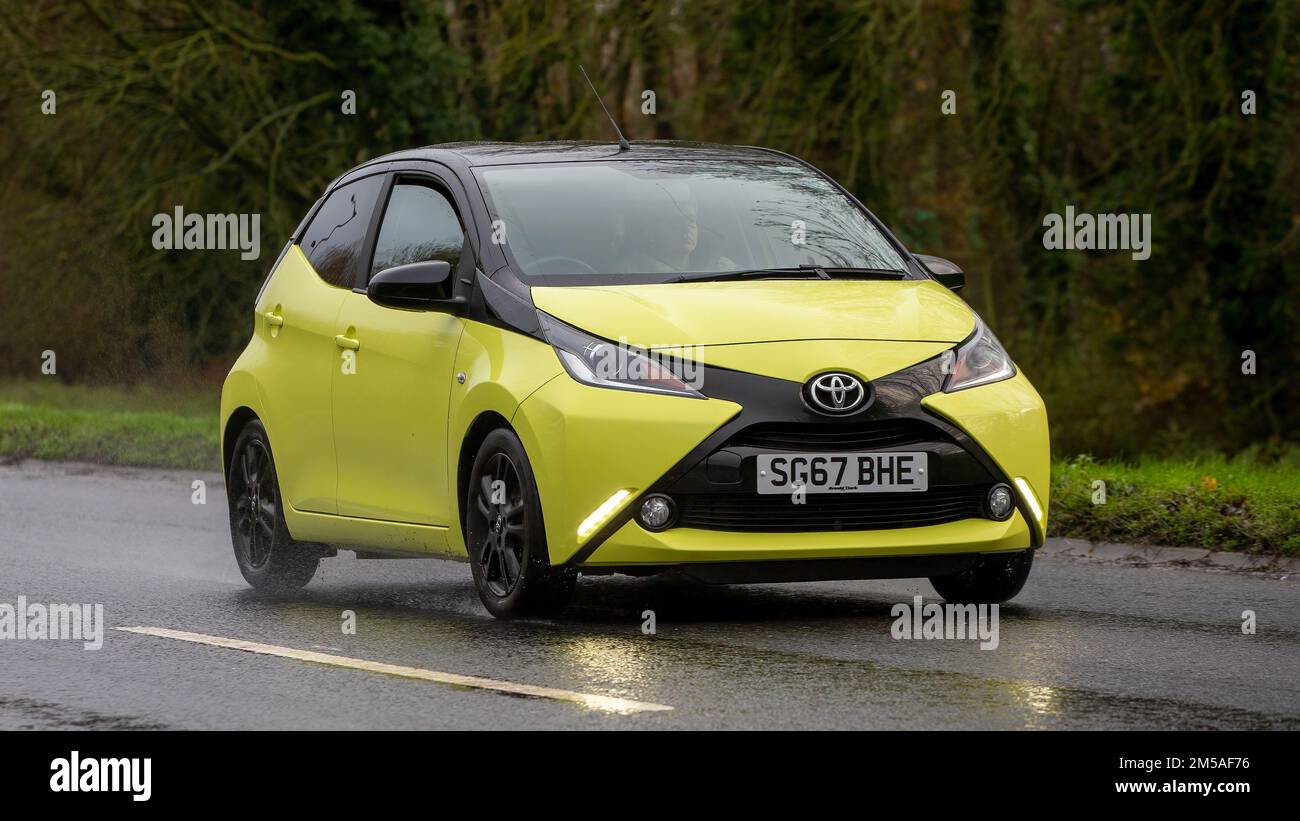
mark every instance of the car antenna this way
{"type": "Point", "coordinates": [623, 144]}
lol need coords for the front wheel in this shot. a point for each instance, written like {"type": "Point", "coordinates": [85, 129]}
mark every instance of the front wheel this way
{"type": "Point", "coordinates": [505, 536]}
{"type": "Point", "coordinates": [993, 579]}
{"type": "Point", "coordinates": [268, 557]}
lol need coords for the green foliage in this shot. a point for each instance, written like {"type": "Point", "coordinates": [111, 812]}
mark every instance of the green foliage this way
{"type": "Point", "coordinates": [1107, 106]}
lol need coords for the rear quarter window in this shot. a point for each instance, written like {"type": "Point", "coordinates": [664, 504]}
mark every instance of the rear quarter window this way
{"type": "Point", "coordinates": [335, 241]}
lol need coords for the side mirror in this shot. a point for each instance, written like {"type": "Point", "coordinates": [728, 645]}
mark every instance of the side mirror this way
{"type": "Point", "coordinates": [418, 286]}
{"type": "Point", "coordinates": [945, 272]}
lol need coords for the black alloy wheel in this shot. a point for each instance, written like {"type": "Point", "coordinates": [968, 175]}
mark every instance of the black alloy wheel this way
{"type": "Point", "coordinates": [499, 507]}
{"type": "Point", "coordinates": [505, 537]}
{"type": "Point", "coordinates": [268, 557]}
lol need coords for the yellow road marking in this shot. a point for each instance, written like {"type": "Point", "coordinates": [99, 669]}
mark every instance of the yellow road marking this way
{"type": "Point", "coordinates": [606, 703]}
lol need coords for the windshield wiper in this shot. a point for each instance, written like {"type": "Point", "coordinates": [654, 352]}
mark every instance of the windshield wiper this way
{"type": "Point", "coordinates": [803, 271]}
{"type": "Point", "coordinates": [750, 273]}
{"type": "Point", "coordinates": [830, 272]}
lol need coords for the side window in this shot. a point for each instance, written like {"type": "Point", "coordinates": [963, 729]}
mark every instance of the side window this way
{"type": "Point", "coordinates": [336, 238]}
{"type": "Point", "coordinates": [419, 225]}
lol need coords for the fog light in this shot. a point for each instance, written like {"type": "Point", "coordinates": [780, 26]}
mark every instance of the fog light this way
{"type": "Point", "coordinates": [657, 512]}
{"type": "Point", "coordinates": [1000, 502]}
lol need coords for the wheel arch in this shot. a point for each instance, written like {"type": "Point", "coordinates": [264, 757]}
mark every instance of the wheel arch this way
{"type": "Point", "coordinates": [483, 424]}
{"type": "Point", "coordinates": [235, 424]}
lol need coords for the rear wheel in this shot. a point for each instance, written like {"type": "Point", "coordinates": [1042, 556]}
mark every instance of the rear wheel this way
{"type": "Point", "coordinates": [268, 557]}
{"type": "Point", "coordinates": [505, 536]}
{"type": "Point", "coordinates": [991, 580]}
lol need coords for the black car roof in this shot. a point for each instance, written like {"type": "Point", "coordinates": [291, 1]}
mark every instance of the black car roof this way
{"type": "Point", "coordinates": [500, 153]}
{"type": "Point", "coordinates": [465, 155]}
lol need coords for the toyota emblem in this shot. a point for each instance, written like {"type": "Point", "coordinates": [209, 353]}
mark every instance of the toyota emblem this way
{"type": "Point", "coordinates": [835, 393]}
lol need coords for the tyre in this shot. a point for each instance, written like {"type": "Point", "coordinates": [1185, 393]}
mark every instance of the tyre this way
{"type": "Point", "coordinates": [268, 557]}
{"type": "Point", "coordinates": [505, 537]}
{"type": "Point", "coordinates": [991, 580]}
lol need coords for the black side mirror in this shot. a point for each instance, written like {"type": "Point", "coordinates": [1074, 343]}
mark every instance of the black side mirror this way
{"type": "Point", "coordinates": [418, 286]}
{"type": "Point", "coordinates": [945, 272]}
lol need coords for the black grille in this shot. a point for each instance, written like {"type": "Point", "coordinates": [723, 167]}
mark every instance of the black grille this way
{"type": "Point", "coordinates": [793, 436]}
{"type": "Point", "coordinates": [750, 512]}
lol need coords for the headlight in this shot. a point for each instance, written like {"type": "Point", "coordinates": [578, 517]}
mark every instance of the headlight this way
{"type": "Point", "coordinates": [604, 364]}
{"type": "Point", "coordinates": [979, 361]}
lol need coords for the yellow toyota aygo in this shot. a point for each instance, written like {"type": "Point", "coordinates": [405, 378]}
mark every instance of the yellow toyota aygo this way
{"type": "Point", "coordinates": [555, 359]}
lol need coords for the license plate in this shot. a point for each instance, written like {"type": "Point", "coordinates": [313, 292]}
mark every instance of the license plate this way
{"type": "Point", "coordinates": [842, 472]}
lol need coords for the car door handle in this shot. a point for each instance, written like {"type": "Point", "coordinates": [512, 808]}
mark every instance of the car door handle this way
{"type": "Point", "coordinates": [347, 342]}
{"type": "Point", "coordinates": [273, 319]}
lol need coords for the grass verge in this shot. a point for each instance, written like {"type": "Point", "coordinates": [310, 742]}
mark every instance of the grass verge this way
{"type": "Point", "coordinates": [141, 438]}
{"type": "Point", "coordinates": [1213, 503]}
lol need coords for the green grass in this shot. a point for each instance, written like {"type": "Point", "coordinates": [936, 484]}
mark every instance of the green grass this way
{"type": "Point", "coordinates": [142, 438]}
{"type": "Point", "coordinates": [1207, 502]}
{"type": "Point", "coordinates": [147, 426]}
{"type": "Point", "coordinates": [1243, 504]}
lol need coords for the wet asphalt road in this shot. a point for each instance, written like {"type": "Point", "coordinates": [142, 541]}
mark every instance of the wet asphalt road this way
{"type": "Point", "coordinates": [1087, 645]}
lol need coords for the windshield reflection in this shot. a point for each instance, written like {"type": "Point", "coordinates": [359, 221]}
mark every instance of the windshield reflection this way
{"type": "Point", "coordinates": [601, 222]}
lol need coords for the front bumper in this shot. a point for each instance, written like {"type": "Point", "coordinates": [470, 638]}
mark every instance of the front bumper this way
{"type": "Point", "coordinates": [590, 445]}
{"type": "Point", "coordinates": [633, 545]}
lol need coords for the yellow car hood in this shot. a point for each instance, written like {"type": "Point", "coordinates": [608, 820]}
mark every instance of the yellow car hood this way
{"type": "Point", "coordinates": [727, 313]}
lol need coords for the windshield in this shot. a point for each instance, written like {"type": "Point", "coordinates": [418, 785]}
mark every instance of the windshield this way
{"type": "Point", "coordinates": [652, 221]}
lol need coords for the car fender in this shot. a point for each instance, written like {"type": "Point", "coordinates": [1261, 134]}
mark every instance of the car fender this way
{"type": "Point", "coordinates": [241, 389]}
{"type": "Point", "coordinates": [496, 370]}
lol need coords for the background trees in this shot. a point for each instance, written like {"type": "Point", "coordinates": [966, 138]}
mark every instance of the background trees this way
{"type": "Point", "coordinates": [1109, 107]}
